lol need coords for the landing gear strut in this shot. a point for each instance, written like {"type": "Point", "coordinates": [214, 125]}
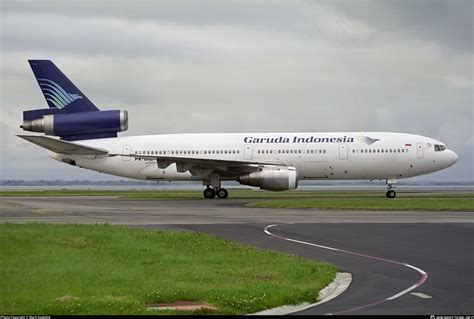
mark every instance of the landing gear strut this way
{"type": "Point", "coordinates": [390, 192]}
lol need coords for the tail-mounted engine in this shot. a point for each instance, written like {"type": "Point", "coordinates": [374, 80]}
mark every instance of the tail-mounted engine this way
{"type": "Point", "coordinates": [75, 126]}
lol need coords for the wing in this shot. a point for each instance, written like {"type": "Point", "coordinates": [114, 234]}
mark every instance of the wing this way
{"type": "Point", "coordinates": [63, 147]}
{"type": "Point", "coordinates": [205, 166]}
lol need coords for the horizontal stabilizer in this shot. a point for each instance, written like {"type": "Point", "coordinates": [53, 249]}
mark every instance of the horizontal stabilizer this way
{"type": "Point", "coordinates": [63, 147]}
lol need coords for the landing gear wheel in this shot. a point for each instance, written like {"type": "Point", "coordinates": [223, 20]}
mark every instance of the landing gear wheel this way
{"type": "Point", "coordinates": [209, 193]}
{"type": "Point", "coordinates": [222, 193]}
{"type": "Point", "coordinates": [391, 194]}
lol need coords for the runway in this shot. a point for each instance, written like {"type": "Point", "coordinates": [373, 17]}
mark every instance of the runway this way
{"type": "Point", "coordinates": [375, 246]}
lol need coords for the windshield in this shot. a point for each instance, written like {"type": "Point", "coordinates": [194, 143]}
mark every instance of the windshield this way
{"type": "Point", "coordinates": [439, 148]}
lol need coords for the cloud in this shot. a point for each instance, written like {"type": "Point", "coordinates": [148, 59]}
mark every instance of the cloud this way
{"type": "Point", "coordinates": [243, 66]}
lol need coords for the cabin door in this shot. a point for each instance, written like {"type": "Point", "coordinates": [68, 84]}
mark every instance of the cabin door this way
{"type": "Point", "coordinates": [248, 152]}
{"type": "Point", "coordinates": [419, 150]}
{"type": "Point", "coordinates": [343, 151]}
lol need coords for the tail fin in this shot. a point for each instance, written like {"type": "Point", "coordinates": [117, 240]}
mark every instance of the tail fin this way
{"type": "Point", "coordinates": [58, 90]}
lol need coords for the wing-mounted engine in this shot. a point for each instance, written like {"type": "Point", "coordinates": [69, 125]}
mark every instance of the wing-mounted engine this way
{"type": "Point", "coordinates": [276, 178]}
{"type": "Point", "coordinates": [76, 126]}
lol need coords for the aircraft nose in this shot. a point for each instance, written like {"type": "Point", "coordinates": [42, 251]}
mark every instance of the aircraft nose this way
{"type": "Point", "coordinates": [453, 158]}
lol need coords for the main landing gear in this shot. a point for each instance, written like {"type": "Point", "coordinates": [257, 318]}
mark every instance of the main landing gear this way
{"type": "Point", "coordinates": [210, 192]}
{"type": "Point", "coordinates": [390, 192]}
{"type": "Point", "coordinates": [213, 187]}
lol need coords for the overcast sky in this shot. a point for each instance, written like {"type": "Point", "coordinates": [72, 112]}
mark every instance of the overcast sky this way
{"type": "Point", "coordinates": [238, 66]}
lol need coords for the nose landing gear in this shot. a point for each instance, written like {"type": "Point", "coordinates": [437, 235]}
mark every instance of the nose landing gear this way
{"type": "Point", "coordinates": [390, 192]}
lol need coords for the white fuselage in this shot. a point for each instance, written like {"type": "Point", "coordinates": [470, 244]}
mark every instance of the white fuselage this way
{"type": "Point", "coordinates": [316, 156]}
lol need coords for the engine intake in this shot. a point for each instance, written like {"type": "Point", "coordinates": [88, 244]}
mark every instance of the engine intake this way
{"type": "Point", "coordinates": [272, 178]}
{"type": "Point", "coordinates": [77, 124]}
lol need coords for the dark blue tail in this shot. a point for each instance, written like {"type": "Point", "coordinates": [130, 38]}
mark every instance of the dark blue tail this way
{"type": "Point", "coordinates": [58, 90]}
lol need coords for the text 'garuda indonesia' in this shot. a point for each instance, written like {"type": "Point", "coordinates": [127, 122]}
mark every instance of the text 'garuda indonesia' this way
{"type": "Point", "coordinates": [296, 139]}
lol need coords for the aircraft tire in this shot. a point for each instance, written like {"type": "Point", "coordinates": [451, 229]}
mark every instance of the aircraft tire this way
{"type": "Point", "coordinates": [209, 193]}
{"type": "Point", "coordinates": [391, 194]}
{"type": "Point", "coordinates": [222, 193]}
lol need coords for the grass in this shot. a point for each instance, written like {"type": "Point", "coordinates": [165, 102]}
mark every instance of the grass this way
{"type": "Point", "coordinates": [358, 200]}
{"type": "Point", "coordinates": [409, 203]}
{"type": "Point", "coordinates": [103, 269]}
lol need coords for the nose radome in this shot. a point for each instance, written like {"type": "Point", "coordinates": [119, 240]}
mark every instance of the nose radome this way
{"type": "Point", "coordinates": [453, 157]}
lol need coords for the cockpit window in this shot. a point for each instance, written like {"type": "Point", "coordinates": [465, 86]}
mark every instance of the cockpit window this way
{"type": "Point", "coordinates": [439, 148]}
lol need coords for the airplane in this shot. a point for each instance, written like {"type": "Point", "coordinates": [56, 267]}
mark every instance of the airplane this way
{"type": "Point", "coordinates": [79, 134]}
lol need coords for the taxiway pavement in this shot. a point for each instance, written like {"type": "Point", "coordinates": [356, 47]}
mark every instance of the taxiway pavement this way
{"type": "Point", "coordinates": [387, 252]}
